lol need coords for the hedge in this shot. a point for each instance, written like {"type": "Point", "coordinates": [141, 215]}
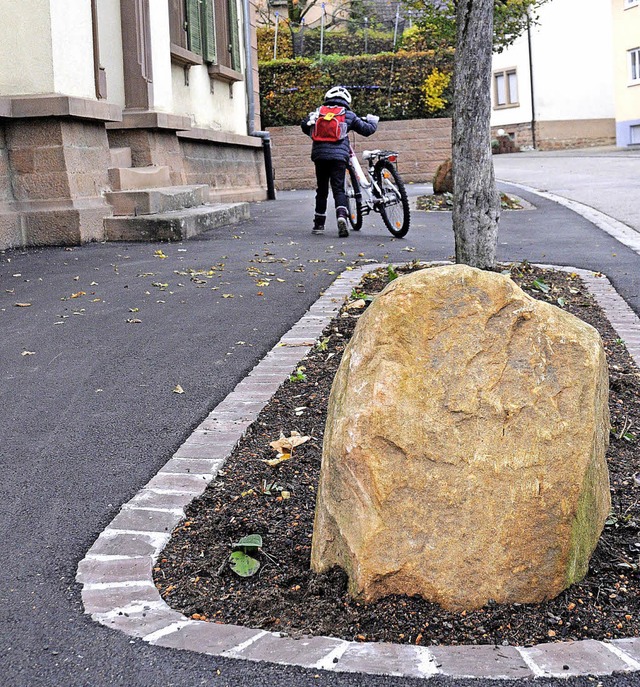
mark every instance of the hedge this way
{"type": "Point", "coordinates": [335, 42]}
{"type": "Point", "coordinates": [388, 85]}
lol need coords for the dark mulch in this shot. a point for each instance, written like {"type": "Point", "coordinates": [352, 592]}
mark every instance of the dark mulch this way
{"type": "Point", "coordinates": [444, 202]}
{"type": "Point", "coordinates": [193, 576]}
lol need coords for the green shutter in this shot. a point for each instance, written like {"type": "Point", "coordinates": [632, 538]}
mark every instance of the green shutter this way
{"type": "Point", "coordinates": [234, 36]}
{"type": "Point", "coordinates": [194, 26]}
{"type": "Point", "coordinates": [209, 33]}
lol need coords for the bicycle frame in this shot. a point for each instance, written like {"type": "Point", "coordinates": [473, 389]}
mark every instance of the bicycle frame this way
{"type": "Point", "coordinates": [371, 193]}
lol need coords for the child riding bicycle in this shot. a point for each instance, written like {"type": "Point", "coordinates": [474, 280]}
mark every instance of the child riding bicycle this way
{"type": "Point", "coordinates": [328, 126]}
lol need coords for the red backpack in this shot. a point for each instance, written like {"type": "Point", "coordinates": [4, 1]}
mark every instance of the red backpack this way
{"type": "Point", "coordinates": [331, 125]}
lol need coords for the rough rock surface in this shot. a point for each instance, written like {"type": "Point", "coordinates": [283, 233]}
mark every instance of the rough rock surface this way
{"type": "Point", "coordinates": [464, 452]}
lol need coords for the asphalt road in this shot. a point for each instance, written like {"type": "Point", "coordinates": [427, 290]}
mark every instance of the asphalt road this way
{"type": "Point", "coordinates": [89, 413]}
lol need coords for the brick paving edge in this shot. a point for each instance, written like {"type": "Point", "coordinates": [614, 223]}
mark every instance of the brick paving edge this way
{"type": "Point", "coordinates": [117, 573]}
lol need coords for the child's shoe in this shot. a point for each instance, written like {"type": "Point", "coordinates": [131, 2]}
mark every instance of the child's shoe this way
{"type": "Point", "coordinates": [318, 224]}
{"type": "Point", "coordinates": [343, 227]}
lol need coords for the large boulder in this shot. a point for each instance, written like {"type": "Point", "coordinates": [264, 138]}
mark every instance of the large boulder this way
{"type": "Point", "coordinates": [464, 452]}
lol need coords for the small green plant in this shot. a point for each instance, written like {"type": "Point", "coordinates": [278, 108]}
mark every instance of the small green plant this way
{"type": "Point", "coordinates": [541, 285]}
{"type": "Point", "coordinates": [241, 562]}
{"type": "Point", "coordinates": [323, 344]}
{"type": "Point", "coordinates": [357, 295]}
{"type": "Point", "coordinates": [298, 375]}
{"type": "Point", "coordinates": [391, 273]}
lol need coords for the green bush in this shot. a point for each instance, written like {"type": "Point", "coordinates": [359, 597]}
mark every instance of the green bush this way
{"type": "Point", "coordinates": [388, 84]}
{"type": "Point", "coordinates": [336, 42]}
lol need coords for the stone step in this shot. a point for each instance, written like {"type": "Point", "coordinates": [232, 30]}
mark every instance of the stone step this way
{"type": "Point", "coordinates": [125, 178]}
{"type": "Point", "coordinates": [251, 194]}
{"type": "Point", "coordinates": [153, 201]}
{"type": "Point", "coordinates": [174, 226]}
{"type": "Point", "coordinates": [120, 157]}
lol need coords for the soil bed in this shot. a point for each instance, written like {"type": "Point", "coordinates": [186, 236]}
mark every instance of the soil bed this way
{"type": "Point", "coordinates": [194, 577]}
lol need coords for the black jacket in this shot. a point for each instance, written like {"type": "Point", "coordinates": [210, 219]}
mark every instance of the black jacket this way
{"type": "Point", "coordinates": [326, 150]}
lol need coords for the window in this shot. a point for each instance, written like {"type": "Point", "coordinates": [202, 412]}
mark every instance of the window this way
{"type": "Point", "coordinates": [630, 3]}
{"type": "Point", "coordinates": [505, 88]}
{"type": "Point", "coordinates": [206, 31]}
{"type": "Point", "coordinates": [634, 65]}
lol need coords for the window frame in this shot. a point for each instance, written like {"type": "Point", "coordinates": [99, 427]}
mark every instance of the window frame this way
{"type": "Point", "coordinates": [633, 60]}
{"type": "Point", "coordinates": [505, 73]}
{"type": "Point", "coordinates": [199, 30]}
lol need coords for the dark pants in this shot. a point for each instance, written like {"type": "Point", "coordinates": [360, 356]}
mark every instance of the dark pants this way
{"type": "Point", "coordinates": [330, 172]}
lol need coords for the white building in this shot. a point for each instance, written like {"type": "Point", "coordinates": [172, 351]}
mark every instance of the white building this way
{"type": "Point", "coordinates": [554, 88]}
{"type": "Point", "coordinates": [160, 92]}
{"type": "Point", "coordinates": [626, 57]}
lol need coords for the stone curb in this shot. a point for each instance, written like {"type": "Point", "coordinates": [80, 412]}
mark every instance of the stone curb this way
{"type": "Point", "coordinates": [117, 572]}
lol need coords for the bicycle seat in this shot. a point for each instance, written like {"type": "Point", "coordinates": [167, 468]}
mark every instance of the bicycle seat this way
{"type": "Point", "coordinates": [368, 154]}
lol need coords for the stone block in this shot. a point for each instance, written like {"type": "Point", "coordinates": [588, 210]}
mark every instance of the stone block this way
{"type": "Point", "coordinates": [497, 662]}
{"type": "Point", "coordinates": [474, 468]}
{"type": "Point", "coordinates": [10, 231]}
{"type": "Point", "coordinates": [158, 200]}
{"type": "Point", "coordinates": [41, 186]}
{"type": "Point", "coordinates": [123, 178]}
{"type": "Point", "coordinates": [99, 571]}
{"type": "Point", "coordinates": [209, 638]}
{"type": "Point", "coordinates": [564, 659]}
{"type": "Point", "coordinates": [106, 599]}
{"type": "Point", "coordinates": [387, 659]}
{"type": "Point", "coordinates": [111, 543]}
{"type": "Point", "coordinates": [306, 651]}
{"type": "Point", "coordinates": [140, 520]}
{"type": "Point", "coordinates": [175, 226]}
{"type": "Point", "coordinates": [120, 157]}
{"type": "Point", "coordinates": [34, 133]}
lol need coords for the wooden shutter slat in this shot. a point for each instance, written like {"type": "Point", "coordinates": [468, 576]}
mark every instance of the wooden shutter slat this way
{"type": "Point", "coordinates": [234, 37]}
{"type": "Point", "coordinates": [194, 26]}
{"type": "Point", "coordinates": [209, 33]}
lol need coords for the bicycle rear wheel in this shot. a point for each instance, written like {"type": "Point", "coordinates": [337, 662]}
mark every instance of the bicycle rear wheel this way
{"type": "Point", "coordinates": [352, 188]}
{"type": "Point", "coordinates": [394, 206]}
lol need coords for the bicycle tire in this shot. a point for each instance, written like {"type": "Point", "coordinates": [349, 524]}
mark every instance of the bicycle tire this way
{"type": "Point", "coordinates": [396, 216]}
{"type": "Point", "coordinates": [352, 189]}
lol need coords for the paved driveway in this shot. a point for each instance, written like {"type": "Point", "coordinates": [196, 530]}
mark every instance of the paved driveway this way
{"type": "Point", "coordinates": [89, 414]}
{"type": "Point", "coordinates": [607, 179]}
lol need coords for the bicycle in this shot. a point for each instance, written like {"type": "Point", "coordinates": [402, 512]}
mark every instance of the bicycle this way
{"type": "Point", "coordinates": [379, 189]}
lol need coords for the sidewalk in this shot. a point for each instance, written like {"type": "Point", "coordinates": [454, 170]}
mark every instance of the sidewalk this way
{"type": "Point", "coordinates": [88, 373]}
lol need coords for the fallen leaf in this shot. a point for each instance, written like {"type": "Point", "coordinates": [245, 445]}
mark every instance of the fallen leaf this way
{"type": "Point", "coordinates": [160, 254]}
{"type": "Point", "coordinates": [78, 294]}
{"type": "Point", "coordinates": [134, 320]}
{"type": "Point", "coordinates": [287, 444]}
{"type": "Point", "coordinates": [276, 461]}
{"type": "Point", "coordinates": [28, 353]}
{"type": "Point", "coordinates": [227, 295]}
{"type": "Point", "coordinates": [178, 389]}
{"type": "Point", "coordinates": [356, 305]}
{"type": "Point", "coordinates": [23, 305]}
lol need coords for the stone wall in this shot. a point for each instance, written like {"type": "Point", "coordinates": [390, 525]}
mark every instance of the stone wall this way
{"type": "Point", "coordinates": [562, 135]}
{"type": "Point", "coordinates": [54, 171]}
{"type": "Point", "coordinates": [421, 144]}
{"type": "Point", "coordinates": [234, 172]}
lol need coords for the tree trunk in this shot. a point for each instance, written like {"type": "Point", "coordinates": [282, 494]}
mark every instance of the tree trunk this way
{"type": "Point", "coordinates": [476, 207]}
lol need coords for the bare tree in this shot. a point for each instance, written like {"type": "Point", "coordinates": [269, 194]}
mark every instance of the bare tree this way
{"type": "Point", "coordinates": [476, 207]}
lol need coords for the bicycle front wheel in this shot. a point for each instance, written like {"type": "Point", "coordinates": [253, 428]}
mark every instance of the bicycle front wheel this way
{"type": "Point", "coordinates": [394, 205]}
{"type": "Point", "coordinates": [352, 189]}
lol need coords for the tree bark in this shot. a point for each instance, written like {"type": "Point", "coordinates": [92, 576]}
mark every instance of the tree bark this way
{"type": "Point", "coordinates": [476, 207]}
